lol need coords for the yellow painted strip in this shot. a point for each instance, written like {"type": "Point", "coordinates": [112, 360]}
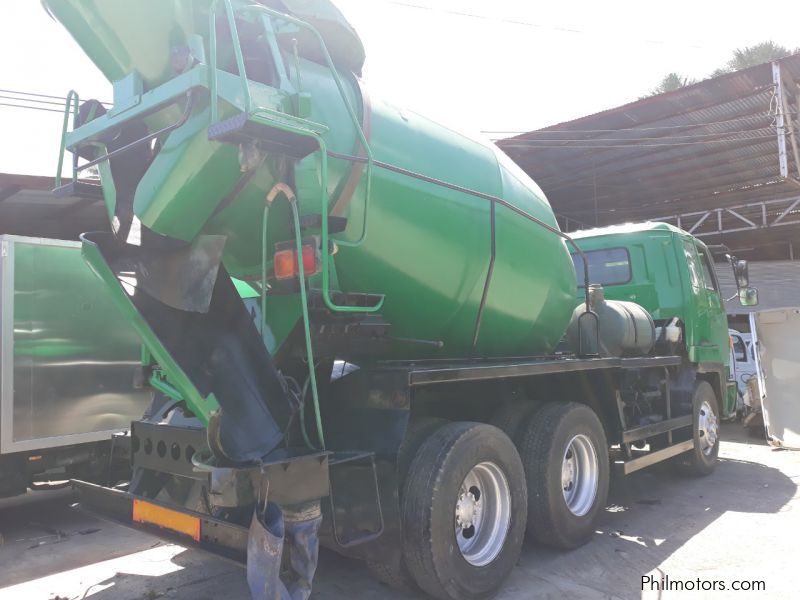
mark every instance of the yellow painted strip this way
{"type": "Point", "coordinates": [151, 514]}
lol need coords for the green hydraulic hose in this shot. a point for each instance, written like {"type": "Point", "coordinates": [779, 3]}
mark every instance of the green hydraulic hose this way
{"type": "Point", "coordinates": [301, 275]}
{"type": "Point", "coordinates": [262, 325]}
{"type": "Point", "coordinates": [264, 272]}
{"type": "Point", "coordinates": [306, 439]}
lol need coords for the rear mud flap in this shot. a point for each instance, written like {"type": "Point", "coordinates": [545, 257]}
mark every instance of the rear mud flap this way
{"type": "Point", "coordinates": [213, 358]}
{"type": "Point", "coordinates": [269, 536]}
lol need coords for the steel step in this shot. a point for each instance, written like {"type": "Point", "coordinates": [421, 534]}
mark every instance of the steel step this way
{"type": "Point", "coordinates": [652, 458]}
{"type": "Point", "coordinates": [242, 129]}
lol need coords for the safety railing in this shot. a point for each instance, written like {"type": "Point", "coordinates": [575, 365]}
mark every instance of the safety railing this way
{"type": "Point", "coordinates": [72, 103]}
{"type": "Point", "coordinates": [297, 126]}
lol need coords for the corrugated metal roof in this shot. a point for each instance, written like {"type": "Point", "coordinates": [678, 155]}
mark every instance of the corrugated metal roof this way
{"type": "Point", "coordinates": [777, 281]}
{"type": "Point", "coordinates": [708, 145]}
{"type": "Point", "coordinates": [28, 207]}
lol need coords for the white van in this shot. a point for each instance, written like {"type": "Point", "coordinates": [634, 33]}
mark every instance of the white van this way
{"type": "Point", "coordinates": [743, 360]}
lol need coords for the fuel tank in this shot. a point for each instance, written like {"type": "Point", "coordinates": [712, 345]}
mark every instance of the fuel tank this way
{"type": "Point", "coordinates": [623, 328]}
{"type": "Point", "coordinates": [419, 223]}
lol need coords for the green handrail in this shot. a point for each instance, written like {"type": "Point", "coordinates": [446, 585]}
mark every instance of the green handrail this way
{"type": "Point", "coordinates": [329, 61]}
{"type": "Point", "coordinates": [342, 92]}
{"type": "Point", "coordinates": [325, 240]}
{"type": "Point", "coordinates": [158, 383]}
{"type": "Point", "coordinates": [212, 59]}
{"type": "Point", "coordinates": [237, 52]}
{"type": "Point", "coordinates": [298, 129]}
{"type": "Point", "coordinates": [73, 98]}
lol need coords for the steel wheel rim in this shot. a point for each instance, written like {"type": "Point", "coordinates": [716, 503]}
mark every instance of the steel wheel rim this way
{"type": "Point", "coordinates": [482, 514]}
{"type": "Point", "coordinates": [708, 427]}
{"type": "Point", "coordinates": [580, 475]}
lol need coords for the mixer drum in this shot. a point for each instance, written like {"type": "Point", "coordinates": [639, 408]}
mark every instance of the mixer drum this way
{"type": "Point", "coordinates": [422, 242]}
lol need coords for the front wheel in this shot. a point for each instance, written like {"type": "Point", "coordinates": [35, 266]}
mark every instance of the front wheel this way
{"type": "Point", "coordinates": [702, 459]}
{"type": "Point", "coordinates": [464, 508]}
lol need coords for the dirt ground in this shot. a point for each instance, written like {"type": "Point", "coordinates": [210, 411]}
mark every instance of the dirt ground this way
{"type": "Point", "coordinates": [742, 524]}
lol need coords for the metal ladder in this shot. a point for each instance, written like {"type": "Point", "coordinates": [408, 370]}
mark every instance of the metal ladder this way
{"type": "Point", "coordinates": [293, 136]}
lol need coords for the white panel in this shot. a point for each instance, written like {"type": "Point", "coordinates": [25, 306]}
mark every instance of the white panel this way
{"type": "Point", "coordinates": [778, 335]}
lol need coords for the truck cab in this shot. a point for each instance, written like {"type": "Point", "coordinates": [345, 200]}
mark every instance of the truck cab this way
{"type": "Point", "coordinates": [671, 274]}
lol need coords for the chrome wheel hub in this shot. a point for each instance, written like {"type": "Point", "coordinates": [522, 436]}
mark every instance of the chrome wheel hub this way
{"type": "Point", "coordinates": [468, 510]}
{"type": "Point", "coordinates": [708, 428]}
{"type": "Point", "coordinates": [482, 514]}
{"type": "Point", "coordinates": [580, 475]}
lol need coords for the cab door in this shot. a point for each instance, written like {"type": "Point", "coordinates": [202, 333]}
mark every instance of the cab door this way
{"type": "Point", "coordinates": [703, 303]}
{"type": "Point", "coordinates": [711, 340]}
{"type": "Point", "coordinates": [717, 316]}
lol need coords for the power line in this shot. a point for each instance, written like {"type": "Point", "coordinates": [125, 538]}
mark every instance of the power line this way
{"type": "Point", "coordinates": [32, 100]}
{"type": "Point", "coordinates": [33, 94]}
{"type": "Point", "coordinates": [63, 99]}
{"type": "Point", "coordinates": [511, 21]}
{"type": "Point", "coordinates": [53, 110]}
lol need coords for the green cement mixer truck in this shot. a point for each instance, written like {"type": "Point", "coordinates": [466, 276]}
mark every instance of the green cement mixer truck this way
{"type": "Point", "coordinates": [389, 379]}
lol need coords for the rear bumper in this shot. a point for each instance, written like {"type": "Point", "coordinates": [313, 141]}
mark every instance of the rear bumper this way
{"type": "Point", "coordinates": [214, 535]}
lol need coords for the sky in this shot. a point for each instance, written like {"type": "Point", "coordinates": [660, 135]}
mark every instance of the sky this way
{"type": "Point", "coordinates": [504, 65]}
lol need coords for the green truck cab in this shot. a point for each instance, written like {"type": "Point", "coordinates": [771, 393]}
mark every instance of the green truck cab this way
{"type": "Point", "coordinates": [671, 274]}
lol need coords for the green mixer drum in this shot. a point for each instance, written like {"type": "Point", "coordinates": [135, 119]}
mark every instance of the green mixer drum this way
{"type": "Point", "coordinates": [427, 246]}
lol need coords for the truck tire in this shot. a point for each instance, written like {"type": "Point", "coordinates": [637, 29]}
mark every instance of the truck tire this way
{"type": "Point", "coordinates": [565, 454]}
{"type": "Point", "coordinates": [469, 473]}
{"type": "Point", "coordinates": [419, 430]}
{"type": "Point", "coordinates": [702, 459]}
{"type": "Point", "coordinates": [513, 418]}
{"type": "Point", "coordinates": [396, 574]}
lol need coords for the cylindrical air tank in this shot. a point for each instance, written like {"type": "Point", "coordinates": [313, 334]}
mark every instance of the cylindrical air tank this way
{"type": "Point", "coordinates": [624, 328]}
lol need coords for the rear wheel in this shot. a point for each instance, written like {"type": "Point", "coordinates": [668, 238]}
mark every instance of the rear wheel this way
{"type": "Point", "coordinates": [565, 454]}
{"type": "Point", "coordinates": [395, 573]}
{"type": "Point", "coordinates": [419, 430]}
{"type": "Point", "coordinates": [464, 509]}
{"type": "Point", "coordinates": [513, 419]}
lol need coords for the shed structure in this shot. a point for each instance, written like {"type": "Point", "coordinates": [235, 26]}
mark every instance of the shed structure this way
{"type": "Point", "coordinates": [28, 207]}
{"type": "Point", "coordinates": [719, 158]}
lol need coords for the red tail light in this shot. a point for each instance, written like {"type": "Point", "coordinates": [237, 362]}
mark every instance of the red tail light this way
{"type": "Point", "coordinates": [286, 262]}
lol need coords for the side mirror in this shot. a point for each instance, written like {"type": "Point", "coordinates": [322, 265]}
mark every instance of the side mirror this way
{"type": "Point", "coordinates": [748, 296]}
{"type": "Point", "coordinates": [742, 274]}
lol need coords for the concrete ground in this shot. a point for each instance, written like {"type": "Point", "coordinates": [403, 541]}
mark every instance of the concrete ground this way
{"type": "Point", "coordinates": [741, 523]}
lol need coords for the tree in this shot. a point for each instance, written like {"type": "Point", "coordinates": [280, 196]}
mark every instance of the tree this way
{"type": "Point", "coordinates": [672, 81]}
{"type": "Point", "coordinates": [749, 56]}
{"type": "Point", "coordinates": [742, 58]}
